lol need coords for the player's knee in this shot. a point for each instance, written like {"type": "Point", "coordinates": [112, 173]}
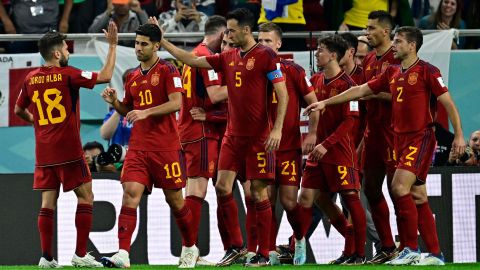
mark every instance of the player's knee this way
{"type": "Point", "coordinates": [288, 203]}
{"type": "Point", "coordinates": [222, 189]}
{"type": "Point", "coordinates": [304, 201]}
{"type": "Point", "coordinates": [419, 197]}
{"type": "Point", "coordinates": [399, 190]}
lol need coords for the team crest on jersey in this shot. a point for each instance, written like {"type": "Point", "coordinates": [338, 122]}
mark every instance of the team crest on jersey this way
{"type": "Point", "coordinates": [384, 66]}
{"type": "Point", "coordinates": [412, 78]}
{"type": "Point", "coordinates": [155, 79]}
{"type": "Point", "coordinates": [211, 167]}
{"type": "Point", "coordinates": [333, 92]}
{"type": "Point", "coordinates": [250, 63]}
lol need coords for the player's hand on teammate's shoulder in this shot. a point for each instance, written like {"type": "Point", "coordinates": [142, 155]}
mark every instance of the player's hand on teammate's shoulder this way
{"type": "Point", "coordinates": [273, 141]}
{"type": "Point", "coordinates": [309, 143]}
{"type": "Point", "coordinates": [109, 95]}
{"type": "Point", "coordinates": [111, 34]}
{"type": "Point", "coordinates": [318, 152]}
{"type": "Point", "coordinates": [317, 106]}
{"type": "Point", "coordinates": [135, 115]}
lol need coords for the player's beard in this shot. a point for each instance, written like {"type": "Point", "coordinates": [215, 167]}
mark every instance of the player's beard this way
{"type": "Point", "coordinates": [63, 61]}
{"type": "Point", "coordinates": [143, 57]}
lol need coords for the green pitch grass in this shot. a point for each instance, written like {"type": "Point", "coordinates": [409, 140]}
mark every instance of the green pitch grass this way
{"type": "Point", "coordinates": [450, 266]}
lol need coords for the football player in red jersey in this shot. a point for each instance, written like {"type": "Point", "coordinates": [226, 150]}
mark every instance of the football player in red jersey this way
{"type": "Point", "coordinates": [54, 89]}
{"type": "Point", "coordinates": [199, 134]}
{"type": "Point", "coordinates": [415, 86]}
{"type": "Point", "coordinates": [332, 165]}
{"type": "Point", "coordinates": [288, 157]}
{"type": "Point", "coordinates": [250, 139]}
{"type": "Point", "coordinates": [153, 93]}
{"type": "Point", "coordinates": [378, 156]}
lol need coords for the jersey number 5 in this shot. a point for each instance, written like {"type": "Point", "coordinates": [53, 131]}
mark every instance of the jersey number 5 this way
{"type": "Point", "coordinates": [51, 104]}
{"type": "Point", "coordinates": [238, 79]}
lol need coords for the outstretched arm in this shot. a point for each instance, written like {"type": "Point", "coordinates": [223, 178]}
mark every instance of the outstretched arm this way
{"type": "Point", "coordinates": [182, 55]}
{"type": "Point", "coordinates": [353, 93]}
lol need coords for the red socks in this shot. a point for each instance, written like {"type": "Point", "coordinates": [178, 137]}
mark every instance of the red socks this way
{"type": "Point", "coordinates": [340, 224]}
{"type": "Point", "coordinates": [408, 217]}
{"type": "Point", "coordinates": [251, 225]}
{"type": "Point", "coordinates": [381, 219]}
{"type": "Point", "coordinates": [273, 231]}
{"type": "Point", "coordinates": [264, 217]}
{"type": "Point", "coordinates": [194, 203]}
{"type": "Point", "coordinates": [184, 219]}
{"type": "Point", "coordinates": [83, 223]}
{"type": "Point", "coordinates": [222, 228]}
{"type": "Point", "coordinates": [45, 228]}
{"type": "Point", "coordinates": [230, 217]}
{"type": "Point", "coordinates": [349, 248]}
{"type": "Point", "coordinates": [359, 221]}
{"type": "Point", "coordinates": [127, 221]}
{"type": "Point", "coordinates": [427, 228]}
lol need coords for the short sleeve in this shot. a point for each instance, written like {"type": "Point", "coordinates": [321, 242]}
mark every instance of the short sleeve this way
{"type": "Point", "coordinates": [380, 83]}
{"type": "Point", "coordinates": [210, 77]}
{"type": "Point", "coordinates": [81, 78]}
{"type": "Point", "coordinates": [127, 95]}
{"type": "Point", "coordinates": [435, 81]}
{"type": "Point", "coordinates": [23, 101]}
{"type": "Point", "coordinates": [272, 62]}
{"type": "Point", "coordinates": [305, 87]}
{"type": "Point", "coordinates": [173, 81]}
{"type": "Point", "coordinates": [351, 108]}
{"type": "Point", "coordinates": [216, 61]}
{"type": "Point", "coordinates": [108, 115]}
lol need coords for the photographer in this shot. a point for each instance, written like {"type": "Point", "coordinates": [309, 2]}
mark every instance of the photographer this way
{"type": "Point", "coordinates": [184, 18]}
{"type": "Point", "coordinates": [127, 15]}
{"type": "Point", "coordinates": [472, 153]}
{"type": "Point", "coordinates": [97, 159]}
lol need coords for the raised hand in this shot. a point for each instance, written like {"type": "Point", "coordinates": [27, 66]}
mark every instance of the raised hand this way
{"type": "Point", "coordinates": [112, 33]}
{"type": "Point", "coordinates": [317, 106]}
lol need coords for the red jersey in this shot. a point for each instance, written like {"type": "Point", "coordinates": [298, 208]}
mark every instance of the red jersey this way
{"type": "Point", "coordinates": [298, 86]}
{"type": "Point", "coordinates": [144, 91]}
{"type": "Point", "coordinates": [249, 90]}
{"type": "Point", "coordinates": [195, 83]}
{"type": "Point", "coordinates": [379, 112]}
{"type": "Point", "coordinates": [357, 76]}
{"type": "Point", "coordinates": [56, 113]}
{"type": "Point", "coordinates": [335, 126]}
{"type": "Point", "coordinates": [414, 94]}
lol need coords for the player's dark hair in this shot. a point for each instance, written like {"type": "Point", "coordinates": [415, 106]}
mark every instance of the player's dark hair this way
{"type": "Point", "coordinates": [243, 16]}
{"type": "Point", "coordinates": [50, 42]}
{"type": "Point", "coordinates": [150, 30]}
{"type": "Point", "coordinates": [214, 24]}
{"type": "Point", "coordinates": [411, 34]}
{"type": "Point", "coordinates": [383, 18]}
{"type": "Point", "coordinates": [335, 44]}
{"type": "Point", "coordinates": [93, 145]}
{"type": "Point", "coordinates": [271, 27]}
{"type": "Point", "coordinates": [351, 39]}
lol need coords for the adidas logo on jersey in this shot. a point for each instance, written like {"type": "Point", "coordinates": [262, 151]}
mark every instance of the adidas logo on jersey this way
{"type": "Point", "coordinates": [408, 163]}
{"type": "Point", "coordinates": [344, 183]}
{"type": "Point", "coordinates": [292, 179]}
{"type": "Point", "coordinates": [263, 171]}
{"type": "Point", "coordinates": [134, 84]}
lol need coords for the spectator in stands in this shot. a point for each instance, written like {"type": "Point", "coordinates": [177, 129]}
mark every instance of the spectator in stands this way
{"type": "Point", "coordinates": [290, 18]}
{"type": "Point", "coordinates": [363, 48]}
{"type": "Point", "coordinates": [183, 18]}
{"type": "Point", "coordinates": [253, 5]}
{"type": "Point", "coordinates": [32, 17]}
{"type": "Point", "coordinates": [206, 6]}
{"type": "Point", "coordinates": [91, 151]}
{"type": "Point", "coordinates": [115, 128]}
{"type": "Point", "coordinates": [401, 12]}
{"type": "Point", "coordinates": [81, 15]}
{"type": "Point", "coordinates": [128, 15]}
{"type": "Point", "coordinates": [471, 157]}
{"type": "Point", "coordinates": [472, 19]}
{"type": "Point", "coordinates": [448, 15]}
{"type": "Point", "coordinates": [357, 17]}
